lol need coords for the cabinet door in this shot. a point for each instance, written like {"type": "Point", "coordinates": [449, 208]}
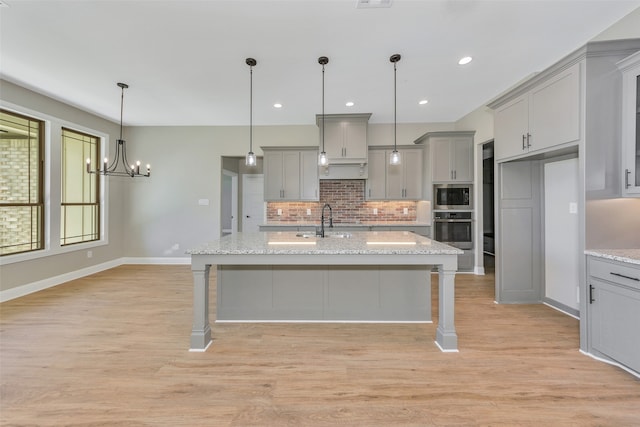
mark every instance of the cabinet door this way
{"type": "Point", "coordinates": [309, 175]}
{"type": "Point", "coordinates": [395, 178]}
{"type": "Point", "coordinates": [333, 140]}
{"type": "Point", "coordinates": [441, 160]}
{"type": "Point", "coordinates": [376, 183]}
{"type": "Point", "coordinates": [613, 309]}
{"type": "Point", "coordinates": [554, 111]}
{"type": "Point", "coordinates": [462, 159]}
{"type": "Point", "coordinates": [291, 175]}
{"type": "Point", "coordinates": [355, 141]}
{"type": "Point", "coordinates": [412, 163]}
{"type": "Point", "coordinates": [273, 183]}
{"type": "Point", "coordinates": [511, 123]}
{"type": "Point", "coordinates": [631, 130]}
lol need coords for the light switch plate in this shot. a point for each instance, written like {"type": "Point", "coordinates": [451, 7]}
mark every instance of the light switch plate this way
{"type": "Point", "coordinates": [573, 208]}
{"type": "Point", "coordinates": [203, 202]}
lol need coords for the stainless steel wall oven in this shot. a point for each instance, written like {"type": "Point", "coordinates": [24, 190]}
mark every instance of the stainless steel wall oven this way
{"type": "Point", "coordinates": [454, 228]}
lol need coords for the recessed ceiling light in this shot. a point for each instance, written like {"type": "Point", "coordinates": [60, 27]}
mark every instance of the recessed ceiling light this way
{"type": "Point", "coordinates": [422, 101]}
{"type": "Point", "coordinates": [465, 60]}
{"type": "Point", "coordinates": [277, 105]}
{"type": "Point", "coordinates": [350, 104]}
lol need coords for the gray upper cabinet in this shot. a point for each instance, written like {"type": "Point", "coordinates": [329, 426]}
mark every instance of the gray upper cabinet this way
{"type": "Point", "coordinates": [546, 116]}
{"type": "Point", "coordinates": [345, 137]}
{"type": "Point", "coordinates": [450, 155]}
{"type": "Point", "coordinates": [452, 159]}
{"type": "Point", "coordinates": [377, 181]}
{"type": "Point", "coordinates": [290, 173]}
{"type": "Point", "coordinates": [394, 182]}
{"type": "Point", "coordinates": [630, 68]}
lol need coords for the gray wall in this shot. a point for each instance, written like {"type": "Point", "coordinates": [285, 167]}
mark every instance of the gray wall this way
{"type": "Point", "coordinates": [25, 272]}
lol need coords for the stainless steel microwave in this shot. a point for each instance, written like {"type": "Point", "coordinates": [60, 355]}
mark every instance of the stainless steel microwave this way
{"type": "Point", "coordinates": [452, 196]}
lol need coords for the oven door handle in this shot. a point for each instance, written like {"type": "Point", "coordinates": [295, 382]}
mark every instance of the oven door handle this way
{"type": "Point", "coordinates": [452, 220]}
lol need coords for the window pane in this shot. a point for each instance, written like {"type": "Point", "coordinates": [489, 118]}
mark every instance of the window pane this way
{"type": "Point", "coordinates": [20, 229]}
{"type": "Point", "coordinates": [80, 201]}
{"type": "Point", "coordinates": [79, 223]}
{"type": "Point", "coordinates": [21, 189]}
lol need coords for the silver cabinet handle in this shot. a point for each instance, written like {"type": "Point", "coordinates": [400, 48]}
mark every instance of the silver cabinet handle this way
{"type": "Point", "coordinates": [528, 140]}
{"type": "Point", "coordinates": [523, 139]}
{"type": "Point", "coordinates": [627, 172]}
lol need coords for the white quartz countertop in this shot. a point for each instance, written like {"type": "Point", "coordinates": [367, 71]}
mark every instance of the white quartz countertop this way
{"type": "Point", "coordinates": [631, 256]}
{"type": "Point", "coordinates": [348, 224]}
{"type": "Point", "coordinates": [357, 243]}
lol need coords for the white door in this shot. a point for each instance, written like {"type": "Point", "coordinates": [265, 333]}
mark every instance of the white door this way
{"type": "Point", "coordinates": [229, 205]}
{"type": "Point", "coordinates": [253, 206]}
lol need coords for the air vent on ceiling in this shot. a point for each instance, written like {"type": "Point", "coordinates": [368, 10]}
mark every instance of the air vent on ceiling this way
{"type": "Point", "coordinates": [370, 4]}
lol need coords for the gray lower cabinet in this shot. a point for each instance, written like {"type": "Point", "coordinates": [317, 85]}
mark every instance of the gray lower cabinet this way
{"type": "Point", "coordinates": [614, 311]}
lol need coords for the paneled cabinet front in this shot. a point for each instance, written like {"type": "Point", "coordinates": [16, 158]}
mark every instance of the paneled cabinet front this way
{"type": "Point", "coordinates": [345, 137]}
{"type": "Point", "coordinates": [290, 175]}
{"type": "Point", "coordinates": [548, 115]}
{"type": "Point", "coordinates": [395, 182]}
{"type": "Point", "coordinates": [452, 159]}
{"type": "Point", "coordinates": [630, 68]}
{"type": "Point", "coordinates": [614, 311]}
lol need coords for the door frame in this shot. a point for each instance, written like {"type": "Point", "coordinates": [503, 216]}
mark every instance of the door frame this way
{"type": "Point", "coordinates": [234, 201]}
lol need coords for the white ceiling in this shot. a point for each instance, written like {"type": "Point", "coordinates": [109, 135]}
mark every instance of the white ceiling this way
{"type": "Point", "coordinates": [185, 60]}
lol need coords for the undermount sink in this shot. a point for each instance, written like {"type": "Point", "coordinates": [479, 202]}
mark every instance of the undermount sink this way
{"type": "Point", "coordinates": [335, 235]}
{"type": "Point", "coordinates": [339, 235]}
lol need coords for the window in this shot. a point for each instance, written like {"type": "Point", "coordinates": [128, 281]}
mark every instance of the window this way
{"type": "Point", "coordinates": [21, 183]}
{"type": "Point", "coordinates": [80, 205]}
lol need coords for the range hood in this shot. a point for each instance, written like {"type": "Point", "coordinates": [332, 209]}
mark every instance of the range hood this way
{"type": "Point", "coordinates": [344, 171]}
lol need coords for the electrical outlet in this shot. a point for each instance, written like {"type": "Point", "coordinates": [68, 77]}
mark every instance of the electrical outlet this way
{"type": "Point", "coordinates": [308, 211]}
{"type": "Point", "coordinates": [406, 211]}
{"type": "Point", "coordinates": [89, 254]}
{"type": "Point", "coordinates": [279, 212]}
{"type": "Point", "coordinates": [375, 211]}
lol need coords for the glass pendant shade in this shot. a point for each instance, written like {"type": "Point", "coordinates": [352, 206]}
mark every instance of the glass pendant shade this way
{"type": "Point", "coordinates": [322, 159]}
{"type": "Point", "coordinates": [251, 159]}
{"type": "Point", "coordinates": [394, 159]}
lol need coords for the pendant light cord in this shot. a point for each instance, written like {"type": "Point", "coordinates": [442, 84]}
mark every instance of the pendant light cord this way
{"type": "Point", "coordinates": [323, 108]}
{"type": "Point", "coordinates": [395, 115]}
{"type": "Point", "coordinates": [251, 108]}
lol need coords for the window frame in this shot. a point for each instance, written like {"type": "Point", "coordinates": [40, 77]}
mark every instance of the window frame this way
{"type": "Point", "coordinates": [96, 190]}
{"type": "Point", "coordinates": [52, 186]}
{"type": "Point", "coordinates": [41, 244]}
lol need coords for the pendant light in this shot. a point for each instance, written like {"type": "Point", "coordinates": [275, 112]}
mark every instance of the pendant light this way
{"type": "Point", "coordinates": [251, 157]}
{"type": "Point", "coordinates": [322, 159]}
{"type": "Point", "coordinates": [121, 154]}
{"type": "Point", "coordinates": [394, 159]}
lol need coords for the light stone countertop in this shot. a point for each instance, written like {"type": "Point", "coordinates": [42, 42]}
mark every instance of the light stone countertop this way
{"type": "Point", "coordinates": [631, 256]}
{"type": "Point", "coordinates": [348, 224]}
{"type": "Point", "coordinates": [358, 243]}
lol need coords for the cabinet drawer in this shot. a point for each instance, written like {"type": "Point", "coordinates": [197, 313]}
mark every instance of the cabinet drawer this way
{"type": "Point", "coordinates": [615, 272]}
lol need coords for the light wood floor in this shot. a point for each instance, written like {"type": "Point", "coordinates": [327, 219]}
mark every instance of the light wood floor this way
{"type": "Point", "coordinates": [111, 350]}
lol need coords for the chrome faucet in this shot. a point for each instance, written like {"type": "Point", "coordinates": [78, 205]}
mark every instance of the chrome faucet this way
{"type": "Point", "coordinates": [326, 205]}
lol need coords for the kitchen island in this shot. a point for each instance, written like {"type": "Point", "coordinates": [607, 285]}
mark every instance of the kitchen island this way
{"type": "Point", "coordinates": [356, 276]}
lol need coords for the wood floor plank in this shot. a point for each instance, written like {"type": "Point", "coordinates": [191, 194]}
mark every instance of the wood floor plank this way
{"type": "Point", "coordinates": [112, 349]}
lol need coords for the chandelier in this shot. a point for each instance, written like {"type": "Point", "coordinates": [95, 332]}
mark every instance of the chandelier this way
{"type": "Point", "coordinates": [127, 169]}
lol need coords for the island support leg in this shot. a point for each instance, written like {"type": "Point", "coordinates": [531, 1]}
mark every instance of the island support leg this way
{"type": "Point", "coordinates": [446, 337]}
{"type": "Point", "coordinates": [201, 331]}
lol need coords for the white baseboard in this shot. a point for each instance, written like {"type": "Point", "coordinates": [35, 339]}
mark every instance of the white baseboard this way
{"type": "Point", "coordinates": [50, 282]}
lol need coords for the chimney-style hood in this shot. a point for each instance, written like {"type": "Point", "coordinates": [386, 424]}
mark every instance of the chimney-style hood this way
{"type": "Point", "coordinates": [344, 171]}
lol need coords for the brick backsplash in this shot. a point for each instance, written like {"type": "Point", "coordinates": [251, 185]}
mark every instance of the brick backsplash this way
{"type": "Point", "coordinates": [347, 200]}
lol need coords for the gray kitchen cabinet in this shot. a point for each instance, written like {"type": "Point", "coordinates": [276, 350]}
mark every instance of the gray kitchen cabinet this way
{"type": "Point", "coordinates": [289, 174]}
{"type": "Point", "coordinates": [546, 115]}
{"type": "Point", "coordinates": [404, 181]}
{"type": "Point", "coordinates": [345, 137]}
{"type": "Point", "coordinates": [614, 311]}
{"type": "Point", "coordinates": [394, 182]}
{"type": "Point", "coordinates": [452, 159]}
{"type": "Point", "coordinates": [377, 180]}
{"type": "Point", "coordinates": [630, 68]}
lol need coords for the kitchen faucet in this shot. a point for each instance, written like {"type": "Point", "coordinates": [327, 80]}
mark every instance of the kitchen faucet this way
{"type": "Point", "coordinates": [326, 205]}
